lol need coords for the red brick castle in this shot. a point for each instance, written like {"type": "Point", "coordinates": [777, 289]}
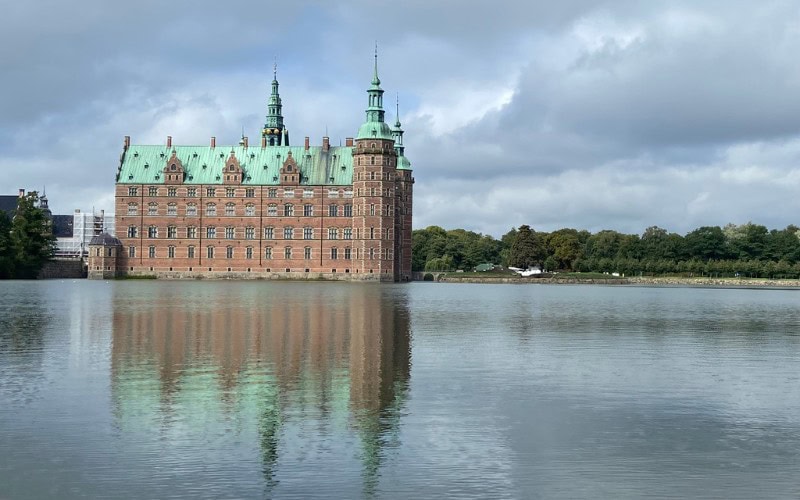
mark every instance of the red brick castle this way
{"type": "Point", "coordinates": [267, 210]}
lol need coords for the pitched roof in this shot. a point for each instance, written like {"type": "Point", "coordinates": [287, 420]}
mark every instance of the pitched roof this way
{"type": "Point", "coordinates": [106, 240]}
{"type": "Point", "coordinates": [143, 164]}
{"type": "Point", "coordinates": [62, 226]}
{"type": "Point", "coordinates": [8, 204]}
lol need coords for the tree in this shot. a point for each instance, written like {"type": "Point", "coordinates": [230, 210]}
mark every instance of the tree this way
{"type": "Point", "coordinates": [704, 243]}
{"type": "Point", "coordinates": [31, 238]}
{"type": "Point", "coordinates": [565, 247]}
{"type": "Point", "coordinates": [527, 250]}
{"type": "Point", "coordinates": [6, 261]}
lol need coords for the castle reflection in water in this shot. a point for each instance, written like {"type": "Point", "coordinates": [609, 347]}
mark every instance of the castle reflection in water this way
{"type": "Point", "coordinates": [335, 358]}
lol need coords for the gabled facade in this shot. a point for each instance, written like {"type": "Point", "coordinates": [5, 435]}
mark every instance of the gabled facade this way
{"type": "Point", "coordinates": [271, 210]}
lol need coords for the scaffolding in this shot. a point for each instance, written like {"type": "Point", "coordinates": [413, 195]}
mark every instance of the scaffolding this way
{"type": "Point", "coordinates": [85, 226]}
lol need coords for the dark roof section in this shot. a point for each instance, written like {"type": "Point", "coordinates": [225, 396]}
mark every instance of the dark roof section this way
{"type": "Point", "coordinates": [8, 204]}
{"type": "Point", "coordinates": [105, 240]}
{"type": "Point", "coordinates": [62, 226]}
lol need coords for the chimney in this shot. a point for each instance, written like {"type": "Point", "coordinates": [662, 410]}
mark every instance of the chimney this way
{"type": "Point", "coordinates": [326, 143]}
{"type": "Point", "coordinates": [264, 141]}
{"type": "Point", "coordinates": [306, 143]}
{"type": "Point", "coordinates": [21, 192]}
{"type": "Point", "coordinates": [127, 142]}
{"type": "Point", "coordinates": [244, 139]}
{"type": "Point", "coordinates": [169, 141]}
{"type": "Point", "coordinates": [213, 142]}
{"type": "Point", "coordinates": [348, 142]}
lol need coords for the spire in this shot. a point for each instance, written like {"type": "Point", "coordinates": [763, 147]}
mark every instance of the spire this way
{"type": "Point", "coordinates": [375, 80]}
{"type": "Point", "coordinates": [397, 112]}
{"type": "Point", "coordinates": [273, 125]}
{"type": "Point", "coordinates": [375, 126]}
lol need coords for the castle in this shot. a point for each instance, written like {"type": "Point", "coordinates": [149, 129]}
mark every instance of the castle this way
{"type": "Point", "coordinates": [267, 210]}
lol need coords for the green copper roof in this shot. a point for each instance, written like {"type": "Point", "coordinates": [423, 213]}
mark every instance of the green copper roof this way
{"type": "Point", "coordinates": [403, 163]}
{"type": "Point", "coordinates": [376, 130]}
{"type": "Point", "coordinates": [203, 164]}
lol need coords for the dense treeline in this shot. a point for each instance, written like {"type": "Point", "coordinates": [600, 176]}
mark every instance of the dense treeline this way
{"type": "Point", "coordinates": [26, 240]}
{"type": "Point", "coordinates": [746, 250]}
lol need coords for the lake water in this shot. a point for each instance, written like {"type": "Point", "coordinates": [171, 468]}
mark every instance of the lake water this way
{"type": "Point", "coordinates": [332, 390]}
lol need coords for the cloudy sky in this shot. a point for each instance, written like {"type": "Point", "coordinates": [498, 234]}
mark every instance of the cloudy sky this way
{"type": "Point", "coordinates": [587, 114]}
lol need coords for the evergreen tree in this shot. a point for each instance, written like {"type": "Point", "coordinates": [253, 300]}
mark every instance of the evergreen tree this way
{"type": "Point", "coordinates": [527, 250]}
{"type": "Point", "coordinates": [31, 240]}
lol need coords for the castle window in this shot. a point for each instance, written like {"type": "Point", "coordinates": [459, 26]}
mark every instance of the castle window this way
{"type": "Point", "coordinates": [172, 232]}
{"type": "Point", "coordinates": [211, 209]}
{"type": "Point", "coordinates": [152, 191]}
{"type": "Point", "coordinates": [269, 233]}
{"type": "Point", "coordinates": [250, 193]}
{"type": "Point", "coordinates": [371, 253]}
{"type": "Point", "coordinates": [308, 233]}
{"type": "Point", "coordinates": [333, 193]}
{"type": "Point", "coordinates": [288, 210]}
{"type": "Point", "coordinates": [211, 191]}
{"type": "Point", "coordinates": [272, 193]}
{"type": "Point", "coordinates": [152, 209]}
{"type": "Point", "coordinates": [173, 167]}
{"type": "Point", "coordinates": [372, 233]}
{"type": "Point", "coordinates": [151, 252]}
{"type": "Point", "coordinates": [152, 232]}
{"type": "Point", "coordinates": [268, 253]}
{"type": "Point", "coordinates": [372, 176]}
{"type": "Point", "coordinates": [287, 253]}
{"type": "Point", "coordinates": [190, 252]}
{"type": "Point", "coordinates": [272, 210]}
{"type": "Point", "coordinates": [308, 193]}
{"type": "Point", "coordinates": [333, 233]}
{"type": "Point", "coordinates": [171, 252]}
{"type": "Point", "coordinates": [229, 252]}
{"type": "Point", "coordinates": [230, 192]}
{"type": "Point", "coordinates": [231, 168]}
{"type": "Point", "coordinates": [210, 252]}
{"type": "Point", "coordinates": [372, 145]}
{"type": "Point", "coordinates": [348, 210]}
{"type": "Point", "coordinates": [248, 253]}
{"type": "Point", "coordinates": [249, 209]}
{"type": "Point", "coordinates": [307, 253]}
{"type": "Point", "coordinates": [133, 208]}
{"type": "Point", "coordinates": [172, 192]}
{"type": "Point", "coordinates": [191, 192]}
{"type": "Point", "coordinates": [133, 191]}
{"type": "Point", "coordinates": [230, 209]}
{"type": "Point", "coordinates": [288, 233]}
{"type": "Point", "coordinates": [172, 209]}
{"type": "Point", "coordinates": [288, 193]}
{"type": "Point", "coordinates": [372, 209]}
{"type": "Point", "coordinates": [211, 232]}
{"type": "Point", "coordinates": [133, 231]}
{"type": "Point", "coordinates": [308, 210]}
{"type": "Point", "coordinates": [333, 210]}
{"type": "Point", "coordinates": [388, 233]}
{"type": "Point", "coordinates": [347, 233]}
{"type": "Point", "coordinates": [249, 233]}
{"type": "Point", "coordinates": [372, 160]}
{"type": "Point", "coordinates": [348, 193]}
{"type": "Point", "coordinates": [347, 254]}
{"type": "Point", "coordinates": [132, 252]}
{"type": "Point", "coordinates": [191, 232]}
{"type": "Point", "coordinates": [191, 210]}
{"type": "Point", "coordinates": [334, 253]}
{"type": "Point", "coordinates": [230, 233]}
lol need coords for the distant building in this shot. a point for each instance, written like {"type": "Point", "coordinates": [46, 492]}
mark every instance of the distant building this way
{"type": "Point", "coordinates": [270, 210]}
{"type": "Point", "coordinates": [74, 232]}
{"type": "Point", "coordinates": [8, 203]}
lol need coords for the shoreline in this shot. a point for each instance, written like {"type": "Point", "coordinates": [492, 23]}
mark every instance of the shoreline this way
{"type": "Point", "coordinates": [701, 282]}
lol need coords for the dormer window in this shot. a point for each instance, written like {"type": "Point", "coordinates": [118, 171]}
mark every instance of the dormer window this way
{"type": "Point", "coordinates": [173, 167]}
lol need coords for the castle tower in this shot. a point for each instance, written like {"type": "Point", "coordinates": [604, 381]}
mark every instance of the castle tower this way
{"type": "Point", "coordinates": [403, 204]}
{"type": "Point", "coordinates": [274, 131]}
{"type": "Point", "coordinates": [374, 162]}
{"type": "Point", "coordinates": [104, 250]}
